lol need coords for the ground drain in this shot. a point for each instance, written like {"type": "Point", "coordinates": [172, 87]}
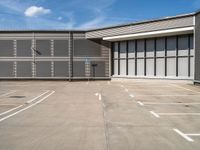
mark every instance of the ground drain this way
{"type": "Point", "coordinates": [17, 96]}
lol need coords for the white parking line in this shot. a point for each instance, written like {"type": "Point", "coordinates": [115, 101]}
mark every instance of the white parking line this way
{"type": "Point", "coordinates": [5, 94]}
{"type": "Point", "coordinates": [185, 136]}
{"type": "Point", "coordinates": [100, 97]}
{"type": "Point", "coordinates": [30, 101]}
{"type": "Point", "coordinates": [179, 114]}
{"type": "Point", "coordinates": [126, 90]}
{"type": "Point", "coordinates": [1, 114]}
{"type": "Point", "coordinates": [131, 95]}
{"type": "Point", "coordinates": [168, 95]}
{"type": "Point", "coordinates": [39, 101]}
{"type": "Point", "coordinates": [185, 88]}
{"type": "Point", "coordinates": [155, 114]}
{"type": "Point", "coordinates": [177, 103]}
{"type": "Point", "coordinates": [140, 103]}
{"type": "Point", "coordinates": [193, 134]}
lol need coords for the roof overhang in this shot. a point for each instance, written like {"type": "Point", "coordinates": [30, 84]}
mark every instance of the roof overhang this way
{"type": "Point", "coordinates": [159, 33]}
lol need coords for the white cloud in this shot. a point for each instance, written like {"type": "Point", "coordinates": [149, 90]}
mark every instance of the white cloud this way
{"type": "Point", "coordinates": [60, 18]}
{"type": "Point", "coordinates": [36, 11]}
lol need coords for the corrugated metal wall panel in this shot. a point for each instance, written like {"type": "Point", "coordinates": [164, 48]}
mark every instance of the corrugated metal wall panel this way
{"type": "Point", "coordinates": [24, 48]}
{"type": "Point", "coordinates": [24, 69]}
{"type": "Point", "coordinates": [61, 69]}
{"type": "Point", "coordinates": [197, 49]}
{"type": "Point", "coordinates": [61, 48]}
{"type": "Point", "coordinates": [43, 69]}
{"type": "Point", "coordinates": [6, 69]}
{"type": "Point", "coordinates": [6, 48]}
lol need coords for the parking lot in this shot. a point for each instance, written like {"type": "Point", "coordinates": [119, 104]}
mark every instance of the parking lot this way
{"type": "Point", "coordinates": [99, 115]}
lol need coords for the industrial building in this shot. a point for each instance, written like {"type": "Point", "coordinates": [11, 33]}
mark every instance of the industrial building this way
{"type": "Point", "coordinates": [160, 48]}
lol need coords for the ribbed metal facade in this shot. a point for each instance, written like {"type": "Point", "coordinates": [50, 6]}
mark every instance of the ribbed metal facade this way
{"type": "Point", "coordinates": [62, 55]}
{"type": "Point", "coordinates": [197, 48]}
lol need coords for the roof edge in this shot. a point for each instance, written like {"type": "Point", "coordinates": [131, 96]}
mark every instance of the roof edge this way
{"type": "Point", "coordinates": [145, 21]}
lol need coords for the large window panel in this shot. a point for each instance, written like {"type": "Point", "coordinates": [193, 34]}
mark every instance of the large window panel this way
{"type": "Point", "coordinates": [6, 48]}
{"type": "Point", "coordinates": [192, 45]}
{"type": "Point", "coordinates": [150, 67]}
{"type": "Point", "coordinates": [122, 49]}
{"type": "Point", "coordinates": [160, 67]}
{"type": "Point", "coordinates": [140, 67]}
{"type": "Point", "coordinates": [131, 49]}
{"type": "Point", "coordinates": [150, 46]}
{"type": "Point", "coordinates": [115, 67]}
{"type": "Point", "coordinates": [115, 50]}
{"type": "Point", "coordinates": [131, 67]}
{"type": "Point", "coordinates": [140, 48]}
{"type": "Point", "coordinates": [183, 45]}
{"type": "Point", "coordinates": [183, 67]}
{"type": "Point", "coordinates": [171, 46]}
{"type": "Point", "coordinates": [171, 67]}
{"type": "Point", "coordinates": [192, 66]}
{"type": "Point", "coordinates": [122, 67]}
{"type": "Point", "coordinates": [160, 47]}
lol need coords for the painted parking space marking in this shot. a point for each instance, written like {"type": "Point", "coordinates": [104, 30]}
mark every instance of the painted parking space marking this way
{"type": "Point", "coordinates": [185, 136]}
{"type": "Point", "coordinates": [140, 103]}
{"type": "Point", "coordinates": [170, 103]}
{"type": "Point", "coordinates": [167, 95]}
{"type": "Point", "coordinates": [23, 109]}
{"type": "Point", "coordinates": [99, 96]}
{"type": "Point", "coordinates": [180, 87]}
{"type": "Point", "coordinates": [131, 95]}
{"type": "Point", "coordinates": [155, 114]}
{"type": "Point", "coordinates": [5, 94]}
{"type": "Point", "coordinates": [179, 114]}
{"type": "Point", "coordinates": [10, 110]}
{"type": "Point", "coordinates": [126, 90]}
{"type": "Point", "coordinates": [32, 100]}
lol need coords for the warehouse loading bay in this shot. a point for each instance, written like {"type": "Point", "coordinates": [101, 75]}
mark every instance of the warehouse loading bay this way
{"type": "Point", "coordinates": [140, 114]}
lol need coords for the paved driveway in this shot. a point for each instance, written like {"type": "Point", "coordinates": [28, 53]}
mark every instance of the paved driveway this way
{"type": "Point", "coordinates": [99, 115]}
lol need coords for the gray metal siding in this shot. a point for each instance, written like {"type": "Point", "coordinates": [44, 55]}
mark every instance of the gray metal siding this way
{"type": "Point", "coordinates": [78, 69]}
{"type": "Point", "coordinates": [6, 48]}
{"type": "Point", "coordinates": [24, 69]}
{"type": "Point", "coordinates": [53, 52]}
{"type": "Point", "coordinates": [61, 69]}
{"type": "Point", "coordinates": [87, 48]}
{"type": "Point", "coordinates": [6, 69]}
{"type": "Point", "coordinates": [197, 49]}
{"type": "Point", "coordinates": [43, 47]}
{"type": "Point", "coordinates": [144, 27]}
{"type": "Point", "coordinates": [43, 69]}
{"type": "Point", "coordinates": [24, 48]}
{"type": "Point", "coordinates": [61, 48]}
{"type": "Point", "coordinates": [99, 69]}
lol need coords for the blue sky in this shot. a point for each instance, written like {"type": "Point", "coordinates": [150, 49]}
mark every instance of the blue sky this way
{"type": "Point", "coordinates": [86, 14]}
